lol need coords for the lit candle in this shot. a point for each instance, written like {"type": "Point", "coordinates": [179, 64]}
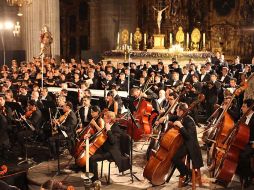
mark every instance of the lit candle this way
{"type": "Point", "coordinates": [170, 39]}
{"type": "Point", "coordinates": [131, 39]}
{"type": "Point", "coordinates": [118, 38]}
{"type": "Point", "coordinates": [204, 40]}
{"type": "Point", "coordinates": [87, 155]}
{"type": "Point", "coordinates": [144, 38]}
{"type": "Point", "coordinates": [187, 40]}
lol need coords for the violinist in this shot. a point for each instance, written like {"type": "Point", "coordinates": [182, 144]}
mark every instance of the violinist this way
{"type": "Point", "coordinates": [190, 144]}
{"type": "Point", "coordinates": [110, 150]}
{"type": "Point", "coordinates": [244, 165]}
{"type": "Point", "coordinates": [65, 125]}
{"type": "Point", "coordinates": [32, 117]}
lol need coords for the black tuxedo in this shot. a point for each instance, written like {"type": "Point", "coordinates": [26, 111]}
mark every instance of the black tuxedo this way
{"type": "Point", "coordinates": [70, 124]}
{"type": "Point", "coordinates": [190, 146]}
{"type": "Point", "coordinates": [188, 78]}
{"type": "Point", "coordinates": [110, 150]}
{"type": "Point", "coordinates": [123, 85]}
{"type": "Point", "coordinates": [244, 163]}
{"type": "Point", "coordinates": [226, 80]}
{"type": "Point", "coordinates": [206, 77]}
{"type": "Point", "coordinates": [82, 115]}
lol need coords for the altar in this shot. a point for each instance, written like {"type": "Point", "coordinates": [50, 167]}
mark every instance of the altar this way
{"type": "Point", "coordinates": [152, 55]}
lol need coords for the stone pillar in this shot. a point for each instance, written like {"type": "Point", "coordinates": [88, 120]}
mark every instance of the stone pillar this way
{"type": "Point", "coordinates": [36, 15]}
{"type": "Point", "coordinates": [94, 25]}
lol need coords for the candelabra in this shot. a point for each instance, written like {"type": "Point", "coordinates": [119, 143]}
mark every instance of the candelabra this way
{"type": "Point", "coordinates": [19, 3]}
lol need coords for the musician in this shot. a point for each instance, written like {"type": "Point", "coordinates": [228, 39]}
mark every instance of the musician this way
{"type": "Point", "coordinates": [85, 111]}
{"type": "Point", "coordinates": [225, 77]}
{"type": "Point", "coordinates": [204, 76]}
{"type": "Point", "coordinates": [110, 150]}
{"type": "Point", "coordinates": [31, 123]}
{"type": "Point", "coordinates": [23, 96]}
{"type": "Point", "coordinates": [186, 76]}
{"type": "Point", "coordinates": [149, 95]}
{"type": "Point", "coordinates": [190, 144]}
{"type": "Point", "coordinates": [175, 82]}
{"type": "Point", "coordinates": [112, 104]}
{"type": "Point", "coordinates": [244, 165]}
{"type": "Point", "coordinates": [96, 121]}
{"type": "Point", "coordinates": [122, 83]}
{"type": "Point", "coordinates": [67, 123]}
{"type": "Point", "coordinates": [211, 89]}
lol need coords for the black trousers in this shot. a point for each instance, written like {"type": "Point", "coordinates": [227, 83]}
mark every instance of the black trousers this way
{"type": "Point", "coordinates": [54, 144]}
{"type": "Point", "coordinates": [99, 155]}
{"type": "Point", "coordinates": [244, 165]}
{"type": "Point", "coordinates": [178, 161]}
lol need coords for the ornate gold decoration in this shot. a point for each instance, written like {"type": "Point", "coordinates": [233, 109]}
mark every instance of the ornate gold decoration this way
{"type": "Point", "coordinates": [180, 35]}
{"type": "Point", "coordinates": [125, 36]}
{"type": "Point", "coordinates": [195, 38]}
{"type": "Point", "coordinates": [137, 37]}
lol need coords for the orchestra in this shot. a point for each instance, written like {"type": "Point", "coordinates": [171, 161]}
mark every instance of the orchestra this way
{"type": "Point", "coordinates": [159, 106]}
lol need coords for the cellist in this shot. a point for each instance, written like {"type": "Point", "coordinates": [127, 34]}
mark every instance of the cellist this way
{"type": "Point", "coordinates": [149, 95]}
{"type": "Point", "coordinates": [244, 164]}
{"type": "Point", "coordinates": [110, 150]}
{"type": "Point", "coordinates": [190, 144]}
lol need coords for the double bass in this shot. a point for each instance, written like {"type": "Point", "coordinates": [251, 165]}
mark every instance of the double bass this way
{"type": "Point", "coordinates": [229, 140]}
{"type": "Point", "coordinates": [142, 124]}
{"type": "Point", "coordinates": [159, 166]}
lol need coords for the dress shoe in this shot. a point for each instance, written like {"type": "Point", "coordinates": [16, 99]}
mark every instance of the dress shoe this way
{"type": "Point", "coordinates": [187, 179]}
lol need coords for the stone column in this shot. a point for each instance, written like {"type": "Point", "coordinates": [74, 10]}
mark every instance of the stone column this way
{"type": "Point", "coordinates": [36, 15]}
{"type": "Point", "coordinates": [94, 25]}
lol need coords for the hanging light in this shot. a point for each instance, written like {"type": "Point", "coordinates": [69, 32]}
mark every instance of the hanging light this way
{"type": "Point", "coordinates": [19, 3]}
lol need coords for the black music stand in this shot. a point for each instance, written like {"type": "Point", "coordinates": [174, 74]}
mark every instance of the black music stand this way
{"type": "Point", "coordinates": [15, 106]}
{"type": "Point", "coordinates": [133, 123]}
{"type": "Point", "coordinates": [27, 160]}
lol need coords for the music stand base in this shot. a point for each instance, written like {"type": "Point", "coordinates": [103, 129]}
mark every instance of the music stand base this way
{"type": "Point", "coordinates": [27, 160]}
{"type": "Point", "coordinates": [87, 180]}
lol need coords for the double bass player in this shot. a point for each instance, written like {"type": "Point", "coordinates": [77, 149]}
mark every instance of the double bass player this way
{"type": "Point", "coordinates": [190, 144]}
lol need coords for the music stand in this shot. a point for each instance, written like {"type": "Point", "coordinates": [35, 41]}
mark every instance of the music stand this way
{"type": "Point", "coordinates": [15, 106]}
{"type": "Point", "coordinates": [130, 116]}
{"type": "Point", "coordinates": [27, 160]}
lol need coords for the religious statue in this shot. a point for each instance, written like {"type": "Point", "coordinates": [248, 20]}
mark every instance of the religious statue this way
{"type": "Point", "coordinates": [159, 17]}
{"type": "Point", "coordinates": [46, 41]}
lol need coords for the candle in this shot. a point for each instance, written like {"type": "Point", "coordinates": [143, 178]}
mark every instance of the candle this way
{"type": "Point", "coordinates": [187, 40]}
{"type": "Point", "coordinates": [131, 39]}
{"type": "Point", "coordinates": [118, 38]}
{"type": "Point", "coordinates": [144, 38]}
{"type": "Point", "coordinates": [87, 155]}
{"type": "Point", "coordinates": [170, 39]}
{"type": "Point", "coordinates": [204, 40]}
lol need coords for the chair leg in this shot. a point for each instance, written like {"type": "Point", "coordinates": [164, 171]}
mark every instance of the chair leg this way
{"type": "Point", "coordinates": [101, 168]}
{"type": "Point", "coordinates": [196, 177]}
{"type": "Point", "coordinates": [108, 180]}
{"type": "Point", "coordinates": [193, 179]}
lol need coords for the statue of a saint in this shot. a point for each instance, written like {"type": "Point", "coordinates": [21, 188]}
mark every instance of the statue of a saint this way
{"type": "Point", "coordinates": [159, 17]}
{"type": "Point", "coordinates": [46, 41]}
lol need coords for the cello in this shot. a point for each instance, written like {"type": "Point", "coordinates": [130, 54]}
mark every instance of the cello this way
{"type": "Point", "coordinates": [159, 166]}
{"type": "Point", "coordinates": [141, 116]}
